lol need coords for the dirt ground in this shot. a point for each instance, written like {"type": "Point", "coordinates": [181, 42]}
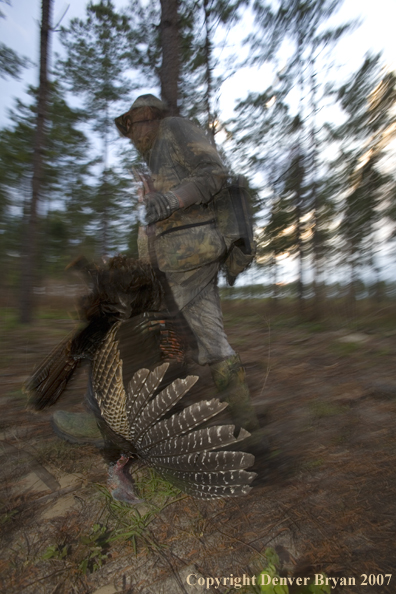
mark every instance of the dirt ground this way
{"type": "Point", "coordinates": [327, 394]}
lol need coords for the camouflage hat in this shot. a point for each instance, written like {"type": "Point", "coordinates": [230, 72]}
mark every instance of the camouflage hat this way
{"type": "Point", "coordinates": [142, 101]}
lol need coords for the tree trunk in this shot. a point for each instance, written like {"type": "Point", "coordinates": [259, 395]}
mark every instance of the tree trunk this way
{"type": "Point", "coordinates": [300, 247]}
{"type": "Point", "coordinates": [317, 309]}
{"type": "Point", "coordinates": [379, 287]}
{"type": "Point", "coordinates": [275, 287]}
{"type": "Point", "coordinates": [170, 67]}
{"type": "Point", "coordinates": [208, 75]}
{"type": "Point", "coordinates": [299, 191]}
{"type": "Point", "coordinates": [29, 257]}
{"type": "Point", "coordinates": [104, 190]}
{"type": "Point", "coordinates": [351, 310]}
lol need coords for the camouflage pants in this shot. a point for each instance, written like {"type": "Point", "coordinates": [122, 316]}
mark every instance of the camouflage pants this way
{"type": "Point", "coordinates": [202, 311]}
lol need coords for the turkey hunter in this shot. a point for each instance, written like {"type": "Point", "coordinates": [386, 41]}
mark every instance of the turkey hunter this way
{"type": "Point", "coordinates": [182, 239]}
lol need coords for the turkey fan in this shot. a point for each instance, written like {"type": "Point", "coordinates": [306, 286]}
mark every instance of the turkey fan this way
{"type": "Point", "coordinates": [175, 446]}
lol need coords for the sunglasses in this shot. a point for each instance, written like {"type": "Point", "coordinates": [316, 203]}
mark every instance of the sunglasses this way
{"type": "Point", "coordinates": [125, 125]}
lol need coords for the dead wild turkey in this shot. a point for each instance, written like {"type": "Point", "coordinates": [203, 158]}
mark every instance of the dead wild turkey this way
{"type": "Point", "coordinates": [133, 412]}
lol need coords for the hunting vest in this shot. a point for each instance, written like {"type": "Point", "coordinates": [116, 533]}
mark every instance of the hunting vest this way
{"type": "Point", "coordinates": [210, 230]}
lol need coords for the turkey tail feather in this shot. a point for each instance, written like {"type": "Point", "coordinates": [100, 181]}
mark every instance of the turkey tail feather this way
{"type": "Point", "coordinates": [200, 440]}
{"type": "Point", "coordinates": [137, 402]}
{"type": "Point", "coordinates": [211, 491]}
{"type": "Point", "coordinates": [51, 378]}
{"type": "Point", "coordinates": [161, 404]}
{"type": "Point", "coordinates": [180, 423]}
{"type": "Point", "coordinates": [223, 478]}
{"type": "Point", "coordinates": [206, 461]}
{"type": "Point", "coordinates": [211, 485]}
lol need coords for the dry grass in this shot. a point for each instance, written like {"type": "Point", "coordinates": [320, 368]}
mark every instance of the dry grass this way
{"type": "Point", "coordinates": [329, 503]}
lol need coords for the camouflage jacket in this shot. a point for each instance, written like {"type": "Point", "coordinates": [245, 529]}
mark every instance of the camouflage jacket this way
{"type": "Point", "coordinates": [182, 159]}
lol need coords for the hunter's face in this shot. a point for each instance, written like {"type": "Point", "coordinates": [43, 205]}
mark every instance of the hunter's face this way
{"type": "Point", "coordinates": [142, 128]}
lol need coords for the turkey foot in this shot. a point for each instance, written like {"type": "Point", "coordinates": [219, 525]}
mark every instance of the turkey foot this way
{"type": "Point", "coordinates": [120, 483]}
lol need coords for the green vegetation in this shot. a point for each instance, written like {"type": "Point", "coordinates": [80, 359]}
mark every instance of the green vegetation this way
{"type": "Point", "coordinates": [118, 523]}
{"type": "Point", "coordinates": [322, 410]}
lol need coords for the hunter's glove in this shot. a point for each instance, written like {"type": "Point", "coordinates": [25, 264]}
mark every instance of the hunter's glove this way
{"type": "Point", "coordinates": [161, 329]}
{"type": "Point", "coordinates": [160, 206]}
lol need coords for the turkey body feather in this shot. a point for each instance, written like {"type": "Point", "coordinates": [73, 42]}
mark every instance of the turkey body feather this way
{"type": "Point", "coordinates": [125, 290]}
{"type": "Point", "coordinates": [132, 394]}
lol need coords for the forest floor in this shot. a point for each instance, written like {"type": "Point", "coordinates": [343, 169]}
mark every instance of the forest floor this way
{"type": "Point", "coordinates": [328, 503]}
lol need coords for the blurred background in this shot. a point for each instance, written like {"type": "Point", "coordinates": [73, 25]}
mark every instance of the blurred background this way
{"type": "Point", "coordinates": [297, 96]}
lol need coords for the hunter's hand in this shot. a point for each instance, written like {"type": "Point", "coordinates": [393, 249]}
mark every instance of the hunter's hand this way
{"type": "Point", "coordinates": [160, 206]}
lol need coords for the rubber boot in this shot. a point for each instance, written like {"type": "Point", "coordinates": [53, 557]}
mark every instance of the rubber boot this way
{"type": "Point", "coordinates": [229, 378]}
{"type": "Point", "coordinates": [77, 428]}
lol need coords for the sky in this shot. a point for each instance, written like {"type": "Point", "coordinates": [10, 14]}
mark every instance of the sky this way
{"type": "Point", "coordinates": [20, 30]}
{"type": "Point", "coordinates": [376, 33]}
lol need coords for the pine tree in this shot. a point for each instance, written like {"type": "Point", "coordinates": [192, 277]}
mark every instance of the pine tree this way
{"type": "Point", "coordinates": [11, 64]}
{"type": "Point", "coordinates": [265, 137]}
{"type": "Point", "coordinates": [368, 99]}
{"type": "Point", "coordinates": [182, 45]}
{"type": "Point", "coordinates": [302, 25]}
{"type": "Point", "coordinates": [98, 55]}
{"type": "Point", "coordinates": [64, 191]}
{"type": "Point", "coordinates": [203, 23]}
{"type": "Point", "coordinates": [29, 258]}
{"type": "Point", "coordinates": [278, 237]}
{"type": "Point", "coordinates": [170, 48]}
